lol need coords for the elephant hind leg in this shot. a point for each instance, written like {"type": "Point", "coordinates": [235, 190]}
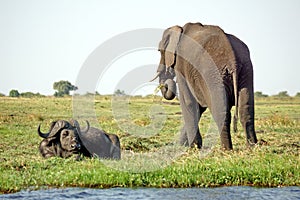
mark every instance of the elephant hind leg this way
{"type": "Point", "coordinates": [222, 116]}
{"type": "Point", "coordinates": [246, 102]}
{"type": "Point", "coordinates": [246, 111]}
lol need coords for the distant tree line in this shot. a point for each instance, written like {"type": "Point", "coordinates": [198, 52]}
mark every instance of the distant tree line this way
{"type": "Point", "coordinates": [64, 92]}
{"type": "Point", "coordinates": [63, 88]}
{"type": "Point", "coordinates": [15, 93]}
{"type": "Point", "coordinates": [281, 94]}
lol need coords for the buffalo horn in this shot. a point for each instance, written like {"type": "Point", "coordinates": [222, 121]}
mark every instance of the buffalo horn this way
{"type": "Point", "coordinates": [78, 127]}
{"type": "Point", "coordinates": [86, 128]}
{"type": "Point", "coordinates": [56, 127]}
{"type": "Point", "coordinates": [43, 135]}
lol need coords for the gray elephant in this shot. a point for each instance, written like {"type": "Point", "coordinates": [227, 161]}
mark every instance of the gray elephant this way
{"type": "Point", "coordinates": [213, 70]}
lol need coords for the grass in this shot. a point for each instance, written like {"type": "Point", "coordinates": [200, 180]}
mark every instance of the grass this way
{"type": "Point", "coordinates": [149, 158]}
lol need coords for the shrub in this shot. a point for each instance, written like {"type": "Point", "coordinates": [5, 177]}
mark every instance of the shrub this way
{"type": "Point", "coordinates": [14, 93]}
{"type": "Point", "coordinates": [30, 94]}
{"type": "Point", "coordinates": [282, 94]}
{"type": "Point", "coordinates": [260, 94]}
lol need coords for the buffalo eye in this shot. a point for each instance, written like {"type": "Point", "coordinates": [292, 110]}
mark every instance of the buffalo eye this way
{"type": "Point", "coordinates": [65, 133]}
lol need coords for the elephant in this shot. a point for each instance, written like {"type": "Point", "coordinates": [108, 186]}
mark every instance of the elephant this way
{"type": "Point", "coordinates": [213, 70]}
{"type": "Point", "coordinates": [66, 138]}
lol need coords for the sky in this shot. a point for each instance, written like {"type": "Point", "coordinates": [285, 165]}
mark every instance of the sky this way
{"type": "Point", "coordinates": [45, 41]}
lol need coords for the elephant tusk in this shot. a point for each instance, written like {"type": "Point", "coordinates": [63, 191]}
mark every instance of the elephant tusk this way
{"type": "Point", "coordinates": [156, 76]}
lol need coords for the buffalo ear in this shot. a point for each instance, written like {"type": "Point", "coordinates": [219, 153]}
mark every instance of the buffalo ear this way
{"type": "Point", "coordinates": [172, 38]}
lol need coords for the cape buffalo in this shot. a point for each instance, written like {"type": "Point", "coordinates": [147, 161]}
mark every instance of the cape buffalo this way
{"type": "Point", "coordinates": [66, 138]}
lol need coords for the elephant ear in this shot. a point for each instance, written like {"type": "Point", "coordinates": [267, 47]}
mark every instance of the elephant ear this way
{"type": "Point", "coordinates": [172, 38]}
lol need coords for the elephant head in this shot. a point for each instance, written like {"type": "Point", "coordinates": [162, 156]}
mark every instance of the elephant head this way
{"type": "Point", "coordinates": [62, 139]}
{"type": "Point", "coordinates": [165, 71]}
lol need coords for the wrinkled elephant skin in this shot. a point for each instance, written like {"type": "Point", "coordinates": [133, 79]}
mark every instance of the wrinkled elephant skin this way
{"type": "Point", "coordinates": [213, 70]}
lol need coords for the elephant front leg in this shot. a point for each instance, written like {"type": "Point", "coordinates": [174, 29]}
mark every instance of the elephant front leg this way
{"type": "Point", "coordinates": [190, 133]}
{"type": "Point", "coordinates": [191, 111]}
{"type": "Point", "coordinates": [225, 132]}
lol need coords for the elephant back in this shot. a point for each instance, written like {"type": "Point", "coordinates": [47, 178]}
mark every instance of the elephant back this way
{"type": "Point", "coordinates": [212, 40]}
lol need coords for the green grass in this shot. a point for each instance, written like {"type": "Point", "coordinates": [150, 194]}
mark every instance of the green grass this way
{"type": "Point", "coordinates": [276, 163]}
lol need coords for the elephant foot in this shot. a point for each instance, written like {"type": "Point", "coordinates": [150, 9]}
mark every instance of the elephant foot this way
{"type": "Point", "coordinates": [226, 141]}
{"type": "Point", "coordinates": [227, 147]}
{"type": "Point", "coordinates": [192, 140]}
{"type": "Point", "coordinates": [196, 144]}
{"type": "Point", "coordinates": [251, 135]}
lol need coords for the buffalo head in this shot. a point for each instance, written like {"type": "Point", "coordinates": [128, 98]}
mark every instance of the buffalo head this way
{"type": "Point", "coordinates": [62, 140]}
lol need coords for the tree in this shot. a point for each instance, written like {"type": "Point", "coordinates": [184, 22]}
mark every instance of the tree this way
{"type": "Point", "coordinates": [298, 94]}
{"type": "Point", "coordinates": [119, 92]}
{"type": "Point", "coordinates": [63, 88]}
{"type": "Point", "coordinates": [282, 94]}
{"type": "Point", "coordinates": [260, 94]}
{"type": "Point", "coordinates": [14, 93]}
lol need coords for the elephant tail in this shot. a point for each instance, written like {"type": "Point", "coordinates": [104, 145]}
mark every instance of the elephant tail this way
{"type": "Point", "coordinates": [235, 89]}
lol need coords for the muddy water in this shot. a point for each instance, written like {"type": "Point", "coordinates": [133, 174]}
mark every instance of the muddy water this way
{"type": "Point", "coordinates": [223, 193]}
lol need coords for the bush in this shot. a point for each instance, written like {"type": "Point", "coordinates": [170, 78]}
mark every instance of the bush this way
{"type": "Point", "coordinates": [14, 93]}
{"type": "Point", "coordinates": [30, 94]}
{"type": "Point", "coordinates": [59, 94]}
{"type": "Point", "coordinates": [283, 94]}
{"type": "Point", "coordinates": [119, 92]}
{"type": "Point", "coordinates": [260, 94]}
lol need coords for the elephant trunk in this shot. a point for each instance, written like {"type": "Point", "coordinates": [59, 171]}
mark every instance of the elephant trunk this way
{"type": "Point", "coordinates": [169, 89]}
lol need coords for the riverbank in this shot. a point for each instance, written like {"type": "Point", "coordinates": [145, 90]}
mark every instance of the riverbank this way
{"type": "Point", "coordinates": [149, 160]}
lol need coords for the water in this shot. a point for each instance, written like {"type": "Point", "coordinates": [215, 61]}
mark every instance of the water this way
{"type": "Point", "coordinates": [156, 193]}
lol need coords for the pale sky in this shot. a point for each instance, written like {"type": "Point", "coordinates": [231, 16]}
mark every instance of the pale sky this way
{"type": "Point", "coordinates": [43, 41]}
